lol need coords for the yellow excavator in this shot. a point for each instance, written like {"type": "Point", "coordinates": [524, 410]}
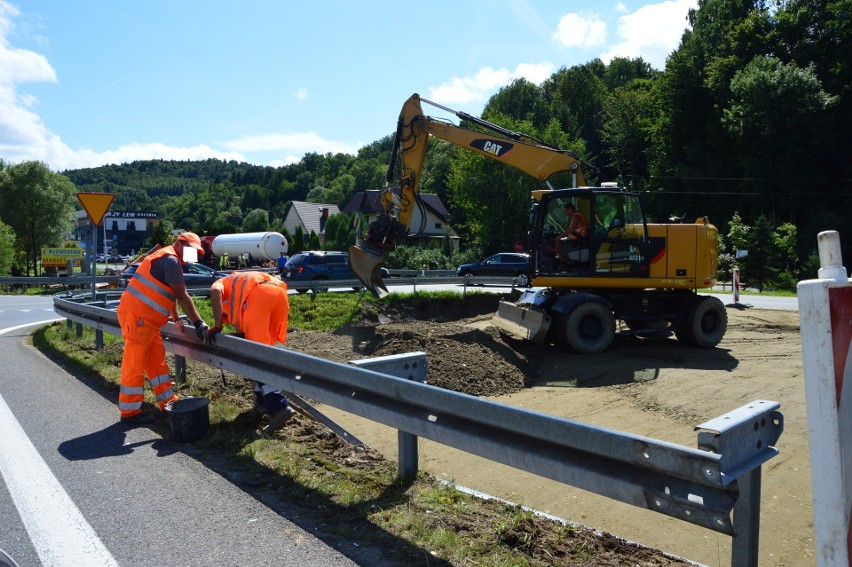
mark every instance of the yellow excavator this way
{"type": "Point", "coordinates": [609, 266]}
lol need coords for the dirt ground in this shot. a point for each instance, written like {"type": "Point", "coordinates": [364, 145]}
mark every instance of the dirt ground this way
{"type": "Point", "coordinates": [661, 389]}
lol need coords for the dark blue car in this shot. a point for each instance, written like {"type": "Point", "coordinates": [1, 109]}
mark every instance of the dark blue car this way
{"type": "Point", "coordinates": [502, 264]}
{"type": "Point", "coordinates": [194, 274]}
{"type": "Point", "coordinates": [320, 266]}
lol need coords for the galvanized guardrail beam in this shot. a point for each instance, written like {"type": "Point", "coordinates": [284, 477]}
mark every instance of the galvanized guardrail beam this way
{"type": "Point", "coordinates": [406, 277]}
{"type": "Point", "coordinates": [716, 485]}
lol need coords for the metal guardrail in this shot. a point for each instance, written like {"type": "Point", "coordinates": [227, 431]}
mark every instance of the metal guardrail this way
{"type": "Point", "coordinates": [68, 281]}
{"type": "Point", "coordinates": [716, 485]}
{"type": "Point", "coordinates": [400, 277]}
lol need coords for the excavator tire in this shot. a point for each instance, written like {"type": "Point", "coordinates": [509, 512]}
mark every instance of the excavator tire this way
{"type": "Point", "coordinates": [704, 322]}
{"type": "Point", "coordinates": [588, 328]}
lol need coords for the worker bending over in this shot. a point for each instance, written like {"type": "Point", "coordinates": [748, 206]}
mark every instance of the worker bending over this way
{"type": "Point", "coordinates": [256, 304]}
{"type": "Point", "coordinates": [149, 301]}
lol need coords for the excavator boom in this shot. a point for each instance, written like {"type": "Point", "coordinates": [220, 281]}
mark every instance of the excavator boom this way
{"type": "Point", "coordinates": [534, 157]}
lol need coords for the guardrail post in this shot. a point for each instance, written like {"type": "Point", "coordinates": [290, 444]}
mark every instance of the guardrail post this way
{"type": "Point", "coordinates": [411, 366]}
{"type": "Point", "coordinates": [99, 339]}
{"type": "Point", "coordinates": [69, 323]}
{"type": "Point", "coordinates": [746, 521]}
{"type": "Point", "coordinates": [735, 436]}
{"type": "Point", "coordinates": [180, 369]}
{"type": "Point", "coordinates": [79, 329]}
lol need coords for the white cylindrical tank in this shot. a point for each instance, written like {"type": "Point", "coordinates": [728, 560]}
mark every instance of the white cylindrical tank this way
{"type": "Point", "coordinates": [262, 246]}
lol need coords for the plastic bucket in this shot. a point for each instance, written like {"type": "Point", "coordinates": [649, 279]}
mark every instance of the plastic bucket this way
{"type": "Point", "coordinates": [189, 419]}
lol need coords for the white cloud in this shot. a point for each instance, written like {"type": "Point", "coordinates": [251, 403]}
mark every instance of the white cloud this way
{"type": "Point", "coordinates": [462, 90]}
{"type": "Point", "coordinates": [22, 132]}
{"type": "Point", "coordinates": [23, 135]}
{"type": "Point", "coordinates": [580, 30]}
{"type": "Point", "coordinates": [621, 8]}
{"type": "Point", "coordinates": [301, 94]}
{"type": "Point", "coordinates": [651, 32]}
{"type": "Point", "coordinates": [298, 142]}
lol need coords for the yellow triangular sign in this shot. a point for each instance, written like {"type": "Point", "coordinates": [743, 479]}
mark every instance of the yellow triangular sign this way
{"type": "Point", "coordinates": [96, 205]}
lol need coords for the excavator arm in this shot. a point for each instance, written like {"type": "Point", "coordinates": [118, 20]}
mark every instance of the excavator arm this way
{"type": "Point", "coordinates": [534, 157]}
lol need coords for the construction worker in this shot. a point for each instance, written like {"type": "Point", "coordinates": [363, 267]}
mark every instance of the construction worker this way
{"type": "Point", "coordinates": [149, 302]}
{"type": "Point", "coordinates": [573, 239]}
{"type": "Point", "coordinates": [256, 304]}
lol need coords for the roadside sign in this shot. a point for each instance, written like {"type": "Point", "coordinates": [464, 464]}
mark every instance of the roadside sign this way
{"type": "Point", "coordinates": [96, 205]}
{"type": "Point", "coordinates": [58, 257]}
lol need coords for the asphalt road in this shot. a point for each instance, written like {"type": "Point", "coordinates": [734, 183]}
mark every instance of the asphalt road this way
{"type": "Point", "coordinates": [80, 488]}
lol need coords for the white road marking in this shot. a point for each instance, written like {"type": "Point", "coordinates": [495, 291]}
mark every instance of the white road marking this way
{"type": "Point", "coordinates": [45, 322]}
{"type": "Point", "coordinates": [59, 532]}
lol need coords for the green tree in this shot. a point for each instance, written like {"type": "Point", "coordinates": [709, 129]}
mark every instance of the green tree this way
{"type": "Point", "coordinates": [340, 191]}
{"type": "Point", "coordinates": [777, 119]}
{"type": "Point", "coordinates": [313, 241]}
{"type": "Point", "coordinates": [7, 249]}
{"type": "Point", "coordinates": [39, 206]}
{"type": "Point", "coordinates": [339, 232]}
{"type": "Point", "coordinates": [256, 220]}
{"type": "Point", "coordinates": [627, 130]}
{"type": "Point", "coordinates": [162, 233]}
{"type": "Point", "coordinates": [298, 240]}
{"type": "Point", "coordinates": [521, 100]}
{"type": "Point", "coordinates": [761, 264]}
{"type": "Point", "coordinates": [738, 233]}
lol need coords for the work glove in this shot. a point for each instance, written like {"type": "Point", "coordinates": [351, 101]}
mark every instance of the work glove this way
{"type": "Point", "coordinates": [211, 335]}
{"type": "Point", "coordinates": [201, 330]}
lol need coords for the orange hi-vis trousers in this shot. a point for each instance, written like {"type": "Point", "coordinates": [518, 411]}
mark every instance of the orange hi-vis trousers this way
{"type": "Point", "coordinates": [144, 355]}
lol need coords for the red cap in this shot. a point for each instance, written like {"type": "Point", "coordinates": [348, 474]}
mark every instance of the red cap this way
{"type": "Point", "coordinates": [191, 239]}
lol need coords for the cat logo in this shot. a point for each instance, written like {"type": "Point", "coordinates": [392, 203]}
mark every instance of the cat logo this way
{"type": "Point", "coordinates": [495, 148]}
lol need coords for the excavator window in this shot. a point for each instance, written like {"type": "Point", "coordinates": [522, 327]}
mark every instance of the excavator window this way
{"type": "Point", "coordinates": [619, 229]}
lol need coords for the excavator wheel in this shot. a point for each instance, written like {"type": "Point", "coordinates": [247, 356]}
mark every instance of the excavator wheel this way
{"type": "Point", "coordinates": [588, 328]}
{"type": "Point", "coordinates": [703, 323]}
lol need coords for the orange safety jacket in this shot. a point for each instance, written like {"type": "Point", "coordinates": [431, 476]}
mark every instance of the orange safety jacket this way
{"type": "Point", "coordinates": [236, 290]}
{"type": "Point", "coordinates": [147, 296]}
{"type": "Point", "coordinates": [580, 231]}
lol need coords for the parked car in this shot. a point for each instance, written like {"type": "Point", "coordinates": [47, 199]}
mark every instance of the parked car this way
{"type": "Point", "coordinates": [502, 264]}
{"type": "Point", "coordinates": [320, 265]}
{"type": "Point", "coordinates": [195, 275]}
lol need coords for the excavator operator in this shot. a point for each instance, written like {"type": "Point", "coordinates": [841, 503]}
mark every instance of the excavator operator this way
{"type": "Point", "coordinates": [256, 304]}
{"type": "Point", "coordinates": [574, 238]}
{"type": "Point", "coordinates": [577, 228]}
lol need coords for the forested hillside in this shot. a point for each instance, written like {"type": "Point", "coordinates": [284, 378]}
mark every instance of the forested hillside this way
{"type": "Point", "coordinates": [747, 124]}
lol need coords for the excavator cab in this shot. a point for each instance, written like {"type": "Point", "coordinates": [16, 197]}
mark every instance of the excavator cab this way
{"type": "Point", "coordinates": [613, 239]}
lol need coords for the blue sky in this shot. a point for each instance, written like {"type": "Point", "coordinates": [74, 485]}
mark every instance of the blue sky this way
{"type": "Point", "coordinates": [85, 83]}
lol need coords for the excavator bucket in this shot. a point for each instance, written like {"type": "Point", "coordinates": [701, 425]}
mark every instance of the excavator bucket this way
{"type": "Point", "coordinates": [522, 322]}
{"type": "Point", "coordinates": [366, 263]}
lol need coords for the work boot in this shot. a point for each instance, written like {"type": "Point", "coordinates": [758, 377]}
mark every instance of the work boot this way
{"type": "Point", "coordinates": [138, 418]}
{"type": "Point", "coordinates": [277, 420]}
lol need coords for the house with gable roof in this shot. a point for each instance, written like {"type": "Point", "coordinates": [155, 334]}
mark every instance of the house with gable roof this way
{"type": "Point", "coordinates": [309, 216]}
{"type": "Point", "coordinates": [435, 225]}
